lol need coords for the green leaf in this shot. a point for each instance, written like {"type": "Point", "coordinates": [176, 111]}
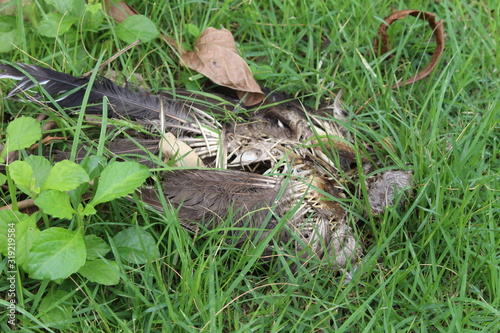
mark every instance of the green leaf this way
{"type": "Point", "coordinates": [3, 179]}
{"type": "Point", "coordinates": [136, 245]}
{"type": "Point", "coordinates": [119, 179]}
{"type": "Point", "coordinates": [22, 132]}
{"type": "Point", "coordinates": [31, 13]}
{"type": "Point", "coordinates": [89, 210]}
{"type": "Point", "coordinates": [93, 165]}
{"type": "Point", "coordinates": [65, 176]}
{"type": "Point", "coordinates": [61, 6]}
{"type": "Point", "coordinates": [137, 27]}
{"type": "Point", "coordinates": [96, 247]}
{"type": "Point", "coordinates": [3, 234]}
{"type": "Point", "coordinates": [100, 271]}
{"type": "Point", "coordinates": [9, 40]}
{"type": "Point", "coordinates": [78, 9]}
{"type": "Point", "coordinates": [11, 216]}
{"type": "Point", "coordinates": [7, 23]}
{"type": "Point", "coordinates": [41, 169]}
{"type": "Point", "coordinates": [9, 36]}
{"type": "Point", "coordinates": [55, 203]}
{"type": "Point", "coordinates": [93, 9]}
{"type": "Point", "coordinates": [92, 13]}
{"type": "Point", "coordinates": [193, 30]}
{"type": "Point", "coordinates": [7, 218]}
{"type": "Point", "coordinates": [22, 174]}
{"type": "Point", "coordinates": [55, 24]}
{"type": "Point", "coordinates": [55, 310]}
{"type": "Point", "coordinates": [262, 72]}
{"type": "Point", "coordinates": [56, 254]}
{"type": "Point", "coordinates": [26, 234]}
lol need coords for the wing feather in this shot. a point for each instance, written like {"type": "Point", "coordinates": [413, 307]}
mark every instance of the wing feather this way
{"type": "Point", "coordinates": [208, 196]}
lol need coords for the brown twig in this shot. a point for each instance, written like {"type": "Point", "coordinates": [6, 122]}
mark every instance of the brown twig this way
{"type": "Point", "coordinates": [23, 204]}
{"type": "Point", "coordinates": [47, 140]}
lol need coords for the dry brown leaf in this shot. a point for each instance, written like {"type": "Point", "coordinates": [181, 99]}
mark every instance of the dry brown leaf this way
{"type": "Point", "coordinates": [215, 56]}
{"type": "Point", "coordinates": [437, 28]}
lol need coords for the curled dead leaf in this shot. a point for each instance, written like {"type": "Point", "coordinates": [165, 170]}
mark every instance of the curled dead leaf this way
{"type": "Point", "coordinates": [438, 31]}
{"type": "Point", "coordinates": [215, 56]}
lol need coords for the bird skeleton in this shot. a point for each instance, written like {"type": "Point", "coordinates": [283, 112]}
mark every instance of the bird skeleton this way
{"type": "Point", "coordinates": [272, 162]}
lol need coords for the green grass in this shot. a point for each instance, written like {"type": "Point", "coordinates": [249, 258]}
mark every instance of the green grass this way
{"type": "Point", "coordinates": [431, 265]}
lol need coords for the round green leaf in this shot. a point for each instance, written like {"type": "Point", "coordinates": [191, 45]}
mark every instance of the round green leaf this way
{"type": "Point", "coordinates": [136, 245]}
{"type": "Point", "coordinates": [93, 8]}
{"type": "Point", "coordinates": [100, 271]}
{"type": "Point", "coordinates": [7, 218]}
{"type": "Point", "coordinates": [54, 309]}
{"type": "Point", "coordinates": [55, 24]}
{"type": "Point", "coordinates": [193, 30]}
{"type": "Point", "coordinates": [9, 36]}
{"type": "Point", "coordinates": [41, 169]}
{"type": "Point", "coordinates": [56, 254]}
{"type": "Point", "coordinates": [119, 179]}
{"type": "Point", "coordinates": [65, 176]}
{"type": "Point", "coordinates": [96, 247]}
{"type": "Point", "coordinates": [26, 234]}
{"type": "Point", "coordinates": [22, 132]}
{"type": "Point", "coordinates": [55, 203]}
{"type": "Point", "coordinates": [93, 165]}
{"type": "Point", "coordinates": [61, 6]}
{"type": "Point", "coordinates": [137, 27]}
{"type": "Point", "coordinates": [22, 174]}
{"type": "Point", "coordinates": [8, 40]}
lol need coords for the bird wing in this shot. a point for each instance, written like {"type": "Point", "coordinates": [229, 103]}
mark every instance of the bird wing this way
{"type": "Point", "coordinates": [210, 196]}
{"type": "Point", "coordinates": [68, 91]}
